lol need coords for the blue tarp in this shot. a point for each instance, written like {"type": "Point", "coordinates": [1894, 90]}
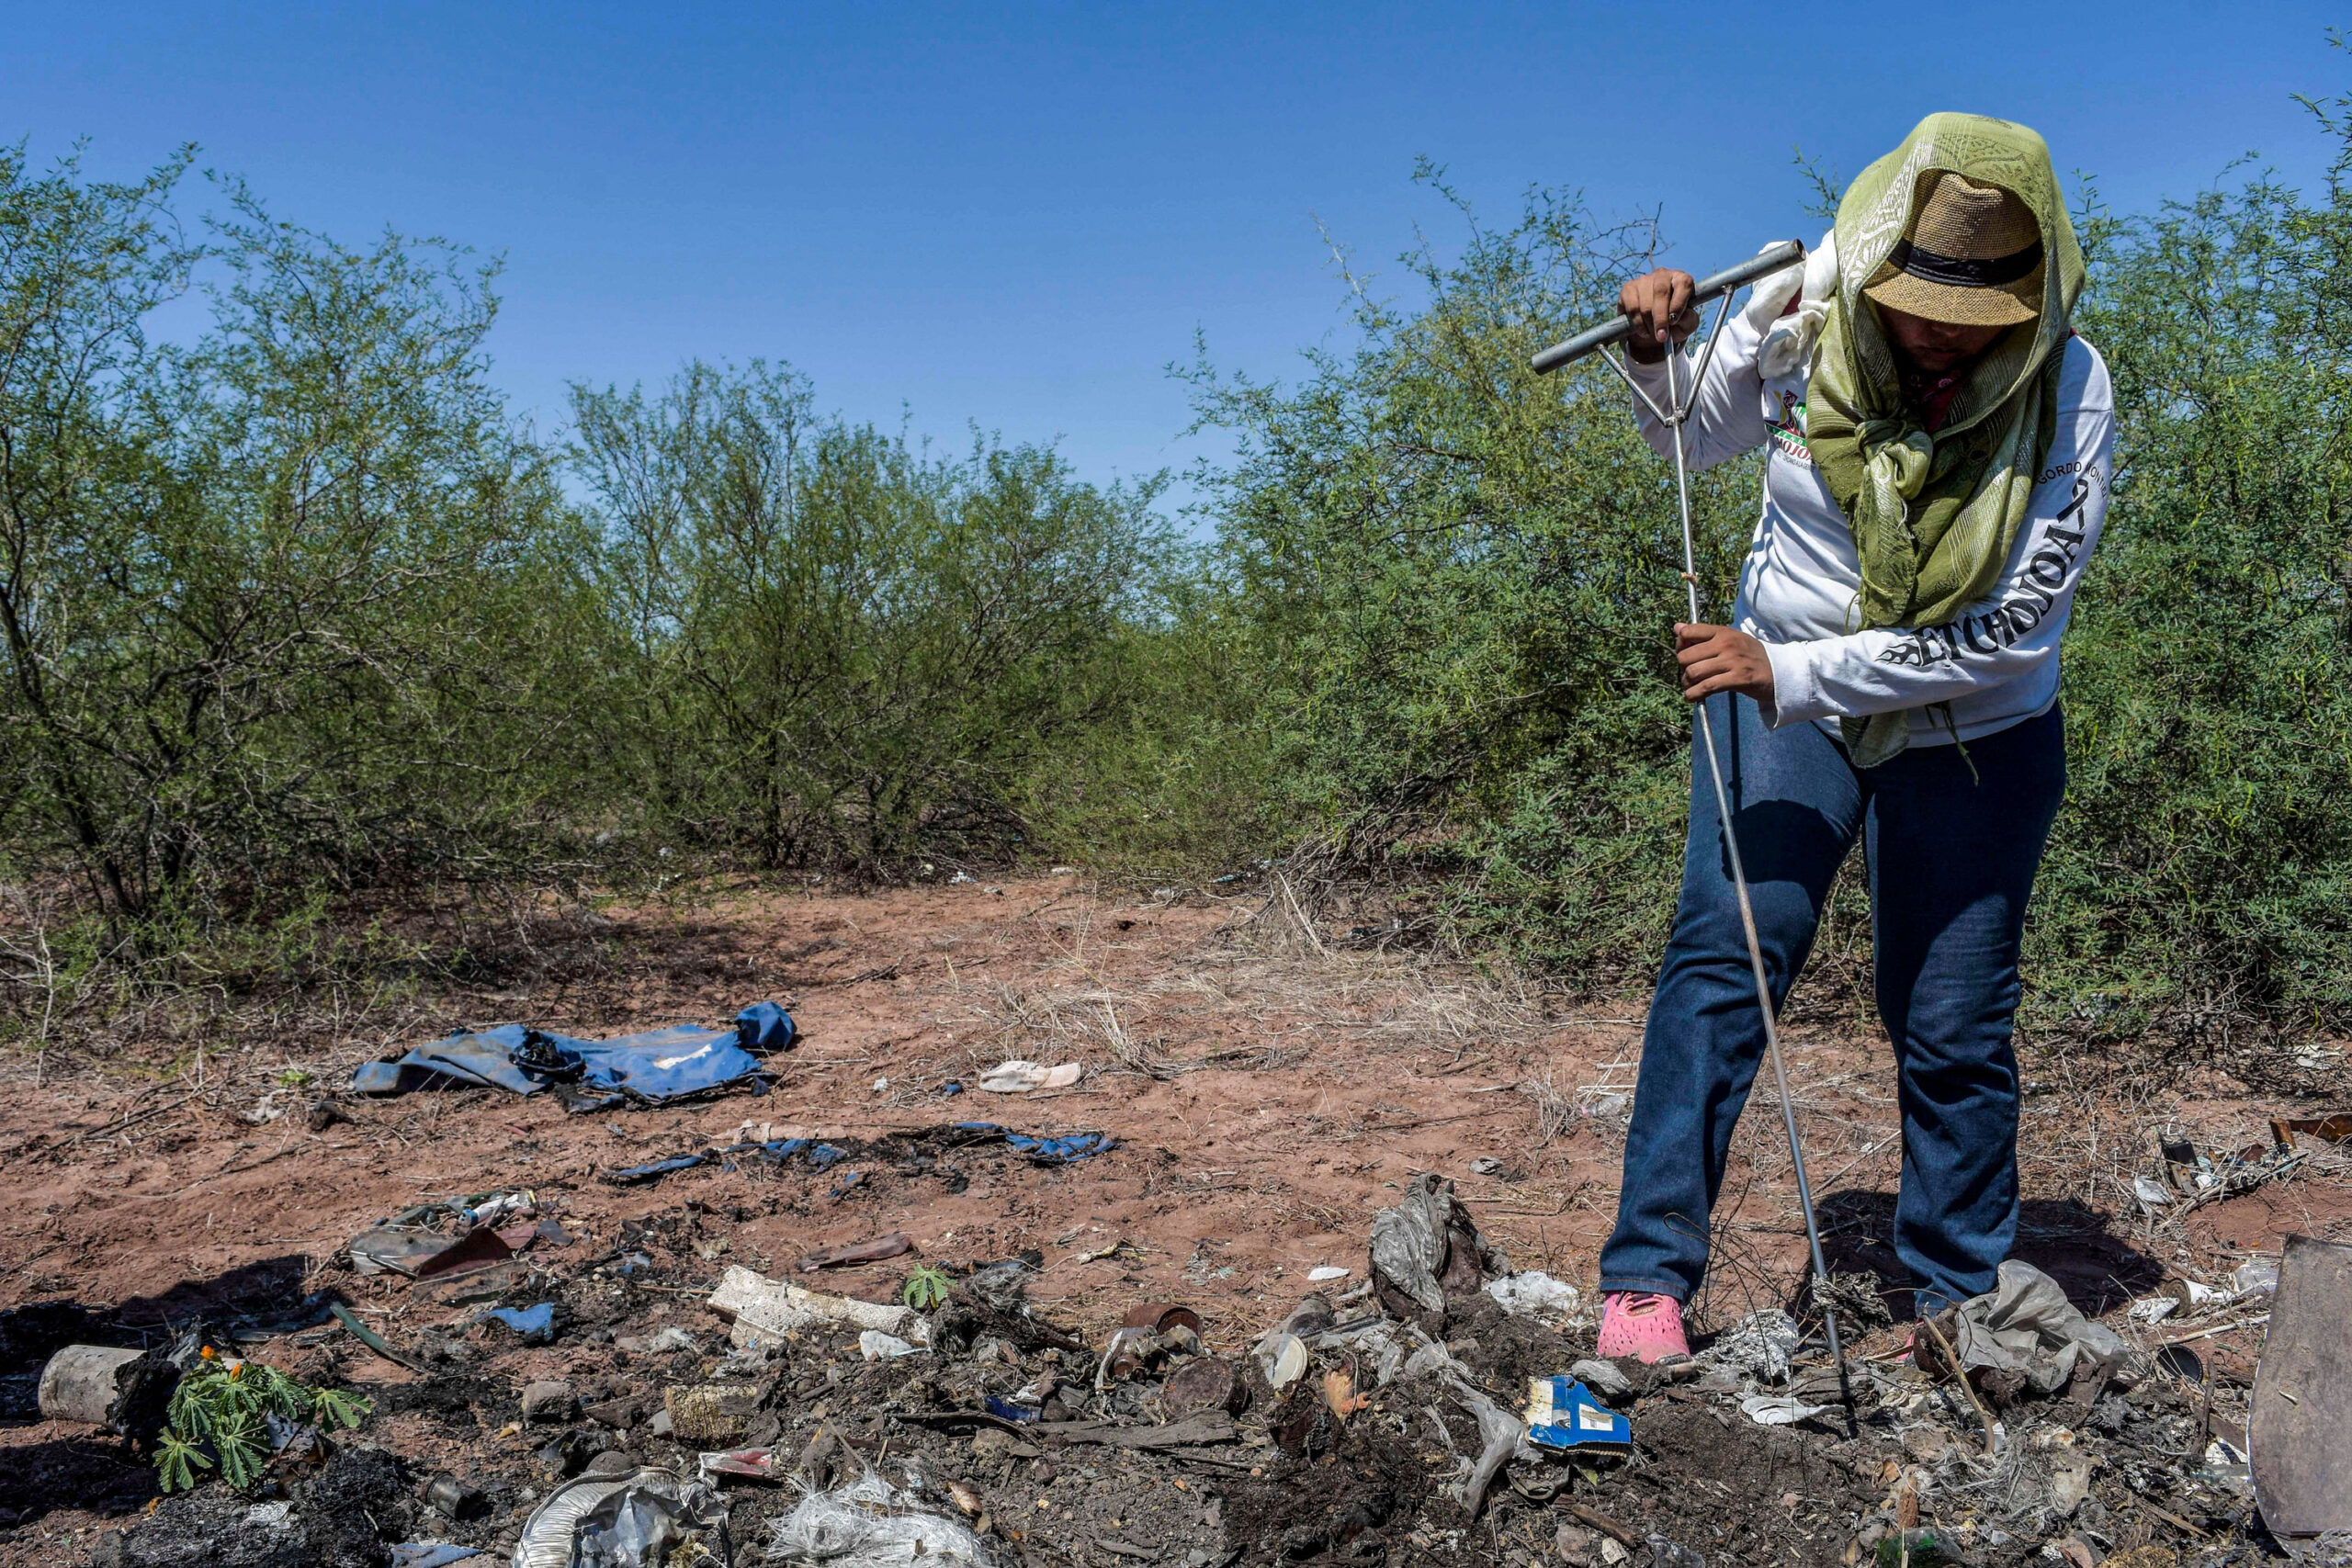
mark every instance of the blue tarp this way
{"type": "Point", "coordinates": [663, 1064]}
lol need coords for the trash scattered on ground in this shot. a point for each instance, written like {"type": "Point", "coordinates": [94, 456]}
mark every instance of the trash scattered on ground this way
{"type": "Point", "coordinates": [1758, 1347]}
{"type": "Point", "coordinates": [1426, 1248]}
{"type": "Point", "coordinates": [1533, 1294]}
{"type": "Point", "coordinates": [1419, 1417]}
{"type": "Point", "coordinates": [420, 1253]}
{"type": "Point", "coordinates": [1603, 1376]}
{"type": "Point", "coordinates": [100, 1385]}
{"type": "Point", "coordinates": [872, 1524]}
{"type": "Point", "coordinates": [650, 1068]}
{"type": "Point", "coordinates": [1562, 1414]}
{"type": "Point", "coordinates": [850, 1254]}
{"type": "Point", "coordinates": [712, 1415]}
{"type": "Point", "coordinates": [2025, 1326]}
{"type": "Point", "coordinates": [535, 1324]}
{"type": "Point", "coordinates": [453, 1499]}
{"type": "Point", "coordinates": [2336, 1129]}
{"type": "Point", "coordinates": [1283, 1362]}
{"type": "Point", "coordinates": [1027, 1078]}
{"type": "Point", "coordinates": [766, 1309]}
{"type": "Point", "coordinates": [1779, 1409]}
{"type": "Point", "coordinates": [430, 1554]}
{"type": "Point", "coordinates": [646, 1519]}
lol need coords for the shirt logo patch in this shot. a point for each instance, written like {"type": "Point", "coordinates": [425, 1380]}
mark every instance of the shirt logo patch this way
{"type": "Point", "coordinates": [1788, 431]}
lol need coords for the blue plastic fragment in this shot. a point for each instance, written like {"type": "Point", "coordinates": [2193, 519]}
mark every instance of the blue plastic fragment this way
{"type": "Point", "coordinates": [1562, 1413]}
{"type": "Point", "coordinates": [1062, 1151]}
{"type": "Point", "coordinates": [850, 1180]}
{"type": "Point", "coordinates": [776, 1151]}
{"type": "Point", "coordinates": [763, 1027]}
{"type": "Point", "coordinates": [430, 1554]}
{"type": "Point", "coordinates": [629, 1175]}
{"type": "Point", "coordinates": [531, 1322]}
{"type": "Point", "coordinates": [1005, 1409]}
{"type": "Point", "coordinates": [950, 1087]}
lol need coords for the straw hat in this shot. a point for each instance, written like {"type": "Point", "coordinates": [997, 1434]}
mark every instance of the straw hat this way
{"type": "Point", "coordinates": [1971, 255]}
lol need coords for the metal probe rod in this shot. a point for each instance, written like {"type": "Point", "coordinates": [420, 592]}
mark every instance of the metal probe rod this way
{"type": "Point", "coordinates": [1683, 408]}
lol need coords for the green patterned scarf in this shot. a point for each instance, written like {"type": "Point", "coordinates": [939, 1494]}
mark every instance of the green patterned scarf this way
{"type": "Point", "coordinates": [1934, 516]}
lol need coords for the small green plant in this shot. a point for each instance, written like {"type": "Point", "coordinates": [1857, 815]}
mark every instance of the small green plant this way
{"type": "Point", "coordinates": [295, 1078]}
{"type": "Point", "coordinates": [926, 1288]}
{"type": "Point", "coordinates": [223, 1407]}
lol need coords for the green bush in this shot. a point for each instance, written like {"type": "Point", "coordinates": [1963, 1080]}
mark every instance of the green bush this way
{"type": "Point", "coordinates": [280, 604]}
{"type": "Point", "coordinates": [833, 648]}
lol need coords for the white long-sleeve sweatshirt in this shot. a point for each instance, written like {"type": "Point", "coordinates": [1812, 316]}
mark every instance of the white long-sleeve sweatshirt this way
{"type": "Point", "coordinates": [1997, 664]}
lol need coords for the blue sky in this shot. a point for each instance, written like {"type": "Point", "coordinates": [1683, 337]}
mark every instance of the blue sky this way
{"type": "Point", "coordinates": [1018, 215]}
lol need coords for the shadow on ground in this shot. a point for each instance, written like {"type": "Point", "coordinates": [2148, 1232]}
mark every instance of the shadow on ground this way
{"type": "Point", "coordinates": [2078, 1246]}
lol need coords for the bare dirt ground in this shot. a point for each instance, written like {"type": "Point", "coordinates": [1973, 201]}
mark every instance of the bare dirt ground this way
{"type": "Point", "coordinates": [1270, 1092]}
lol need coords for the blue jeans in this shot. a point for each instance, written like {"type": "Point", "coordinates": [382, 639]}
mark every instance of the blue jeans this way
{"type": "Point", "coordinates": [1952, 855]}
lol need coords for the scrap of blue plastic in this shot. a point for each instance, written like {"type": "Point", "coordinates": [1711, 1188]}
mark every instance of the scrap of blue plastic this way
{"type": "Point", "coordinates": [763, 1027]}
{"type": "Point", "coordinates": [1065, 1150]}
{"type": "Point", "coordinates": [656, 1065]}
{"type": "Point", "coordinates": [630, 1175]}
{"type": "Point", "coordinates": [775, 1150]}
{"type": "Point", "coordinates": [532, 1322]}
{"type": "Point", "coordinates": [1005, 1410]}
{"type": "Point", "coordinates": [1581, 1421]}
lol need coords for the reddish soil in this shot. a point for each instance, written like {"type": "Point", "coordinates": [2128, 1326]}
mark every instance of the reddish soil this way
{"type": "Point", "coordinates": [1269, 1098]}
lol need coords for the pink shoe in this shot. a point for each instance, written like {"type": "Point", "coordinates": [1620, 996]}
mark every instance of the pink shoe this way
{"type": "Point", "coordinates": [1647, 1327]}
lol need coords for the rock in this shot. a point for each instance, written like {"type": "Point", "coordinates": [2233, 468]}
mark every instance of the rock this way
{"type": "Point", "coordinates": [619, 1413]}
{"type": "Point", "coordinates": [1575, 1545]}
{"type": "Point", "coordinates": [562, 1459]}
{"type": "Point", "coordinates": [549, 1400]}
{"type": "Point", "coordinates": [711, 1415]}
{"type": "Point", "coordinates": [1602, 1378]}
